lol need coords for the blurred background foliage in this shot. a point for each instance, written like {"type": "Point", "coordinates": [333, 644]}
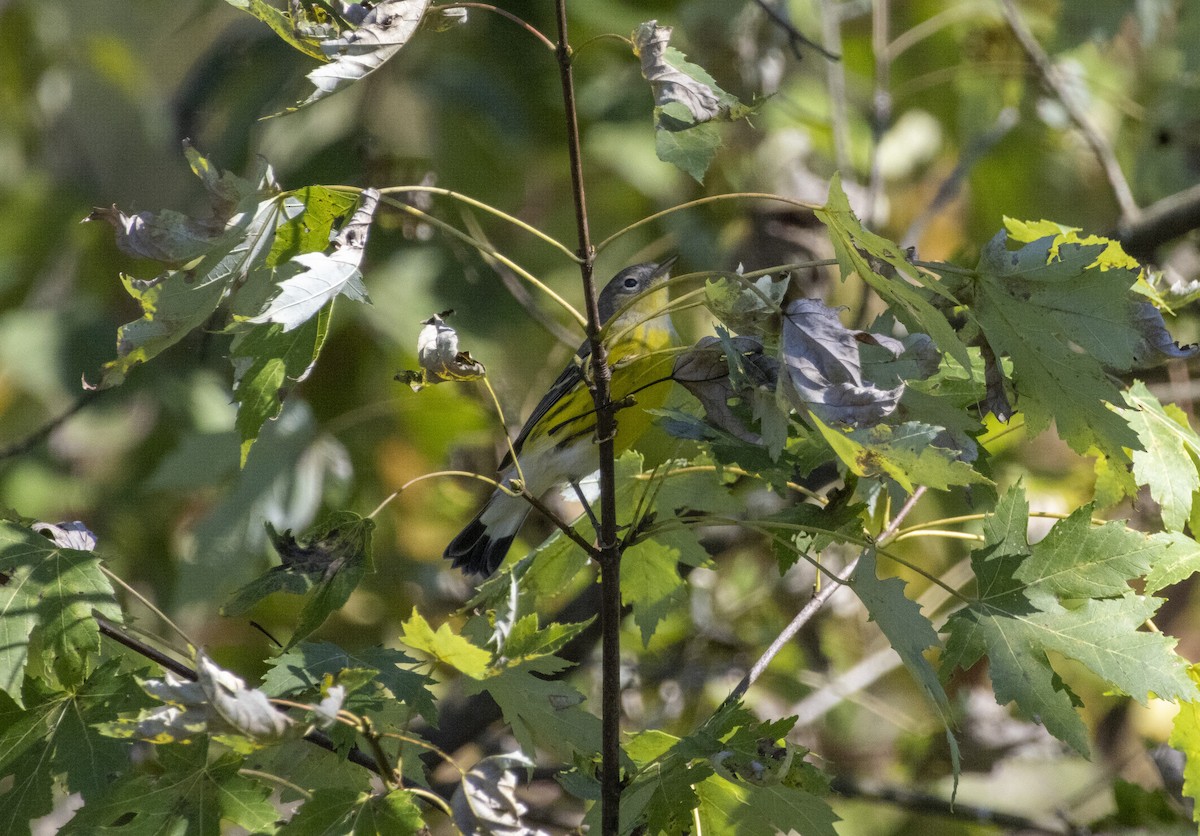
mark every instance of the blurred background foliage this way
{"type": "Point", "coordinates": [95, 99]}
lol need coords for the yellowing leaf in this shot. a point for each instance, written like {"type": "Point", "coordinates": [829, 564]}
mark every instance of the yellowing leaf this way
{"type": "Point", "coordinates": [445, 646]}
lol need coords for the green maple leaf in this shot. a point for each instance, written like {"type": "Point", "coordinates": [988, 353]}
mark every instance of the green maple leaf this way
{"type": "Point", "coordinates": [650, 579]}
{"type": "Point", "coordinates": [1068, 595]}
{"type": "Point", "coordinates": [729, 808]}
{"type": "Point", "coordinates": [186, 792]}
{"type": "Point", "coordinates": [908, 453]}
{"type": "Point", "coordinates": [270, 362]}
{"type": "Point", "coordinates": [53, 737]}
{"type": "Point", "coordinates": [338, 810]}
{"type": "Point", "coordinates": [445, 646]}
{"type": "Point", "coordinates": [301, 669]}
{"type": "Point", "coordinates": [543, 713]}
{"type": "Point", "coordinates": [179, 301]}
{"type": "Point", "coordinates": [1185, 736]}
{"type": "Point", "coordinates": [46, 604]}
{"type": "Point", "coordinates": [909, 632]}
{"type": "Point", "coordinates": [678, 778]}
{"type": "Point", "coordinates": [1167, 461]}
{"type": "Point", "coordinates": [1063, 314]}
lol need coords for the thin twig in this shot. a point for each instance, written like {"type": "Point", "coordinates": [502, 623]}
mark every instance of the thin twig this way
{"type": "Point", "coordinates": [881, 106]}
{"type": "Point", "coordinates": [562, 525]}
{"type": "Point", "coordinates": [835, 83]}
{"type": "Point", "coordinates": [795, 37]}
{"type": "Point", "coordinates": [814, 605]}
{"type": "Point", "coordinates": [478, 204]}
{"type": "Point", "coordinates": [487, 7]}
{"type": "Point", "coordinates": [700, 201]}
{"type": "Point", "coordinates": [1053, 79]}
{"type": "Point", "coordinates": [34, 438]}
{"type": "Point", "coordinates": [316, 737]}
{"type": "Point", "coordinates": [920, 802]}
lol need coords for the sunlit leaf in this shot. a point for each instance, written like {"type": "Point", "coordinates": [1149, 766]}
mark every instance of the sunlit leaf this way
{"type": "Point", "coordinates": [358, 53]}
{"type": "Point", "coordinates": [1019, 616]}
{"type": "Point", "coordinates": [486, 803]}
{"type": "Point", "coordinates": [310, 280]}
{"type": "Point", "coordinates": [218, 703]}
{"type": "Point", "coordinates": [445, 646]}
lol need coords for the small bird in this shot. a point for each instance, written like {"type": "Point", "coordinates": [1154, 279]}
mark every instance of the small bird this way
{"type": "Point", "coordinates": [557, 443]}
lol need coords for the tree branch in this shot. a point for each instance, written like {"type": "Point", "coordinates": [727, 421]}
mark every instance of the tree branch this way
{"type": "Point", "coordinates": [1051, 77]}
{"type": "Point", "coordinates": [608, 544]}
{"type": "Point", "coordinates": [1160, 222]}
{"type": "Point", "coordinates": [814, 605]}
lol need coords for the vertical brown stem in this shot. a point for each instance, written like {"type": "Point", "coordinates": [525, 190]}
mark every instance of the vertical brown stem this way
{"type": "Point", "coordinates": [610, 552]}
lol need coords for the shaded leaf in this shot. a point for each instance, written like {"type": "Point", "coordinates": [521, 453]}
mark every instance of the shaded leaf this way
{"type": "Point", "coordinates": [330, 558]}
{"type": "Point", "coordinates": [909, 453]}
{"type": "Point", "coordinates": [47, 599]}
{"type": "Point", "coordinates": [909, 632]}
{"type": "Point", "coordinates": [344, 811]}
{"type": "Point", "coordinates": [824, 367]}
{"type": "Point", "coordinates": [167, 236]}
{"type": "Point", "coordinates": [717, 370]}
{"type": "Point", "coordinates": [686, 100]}
{"type": "Point", "coordinates": [186, 792]}
{"type": "Point", "coordinates": [1064, 313]}
{"type": "Point", "coordinates": [53, 738]}
{"type": "Point", "coordinates": [268, 362]}
{"type": "Point", "coordinates": [301, 670]}
{"type": "Point", "coordinates": [543, 713]}
{"type": "Point", "coordinates": [178, 301]}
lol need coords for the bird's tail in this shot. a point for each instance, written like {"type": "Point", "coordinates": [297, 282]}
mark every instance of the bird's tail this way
{"type": "Point", "coordinates": [479, 549]}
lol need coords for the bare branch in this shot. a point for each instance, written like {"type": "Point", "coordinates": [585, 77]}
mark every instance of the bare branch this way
{"type": "Point", "coordinates": [1053, 79]}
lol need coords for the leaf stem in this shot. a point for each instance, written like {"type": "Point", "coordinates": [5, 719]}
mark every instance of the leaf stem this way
{"type": "Point", "coordinates": [491, 210]}
{"type": "Point", "coordinates": [112, 576]}
{"type": "Point", "coordinates": [464, 473]}
{"type": "Point", "coordinates": [524, 24]}
{"type": "Point", "coordinates": [489, 250]}
{"type": "Point", "coordinates": [700, 201]}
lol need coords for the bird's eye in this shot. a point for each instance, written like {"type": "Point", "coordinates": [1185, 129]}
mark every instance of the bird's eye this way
{"type": "Point", "coordinates": [631, 283]}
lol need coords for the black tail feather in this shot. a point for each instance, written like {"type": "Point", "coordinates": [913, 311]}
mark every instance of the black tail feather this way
{"type": "Point", "coordinates": [475, 552]}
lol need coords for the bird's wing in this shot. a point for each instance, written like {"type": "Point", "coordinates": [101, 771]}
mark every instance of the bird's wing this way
{"type": "Point", "coordinates": [570, 377]}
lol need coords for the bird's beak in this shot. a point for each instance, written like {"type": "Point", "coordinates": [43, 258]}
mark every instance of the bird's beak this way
{"type": "Point", "coordinates": [664, 266]}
